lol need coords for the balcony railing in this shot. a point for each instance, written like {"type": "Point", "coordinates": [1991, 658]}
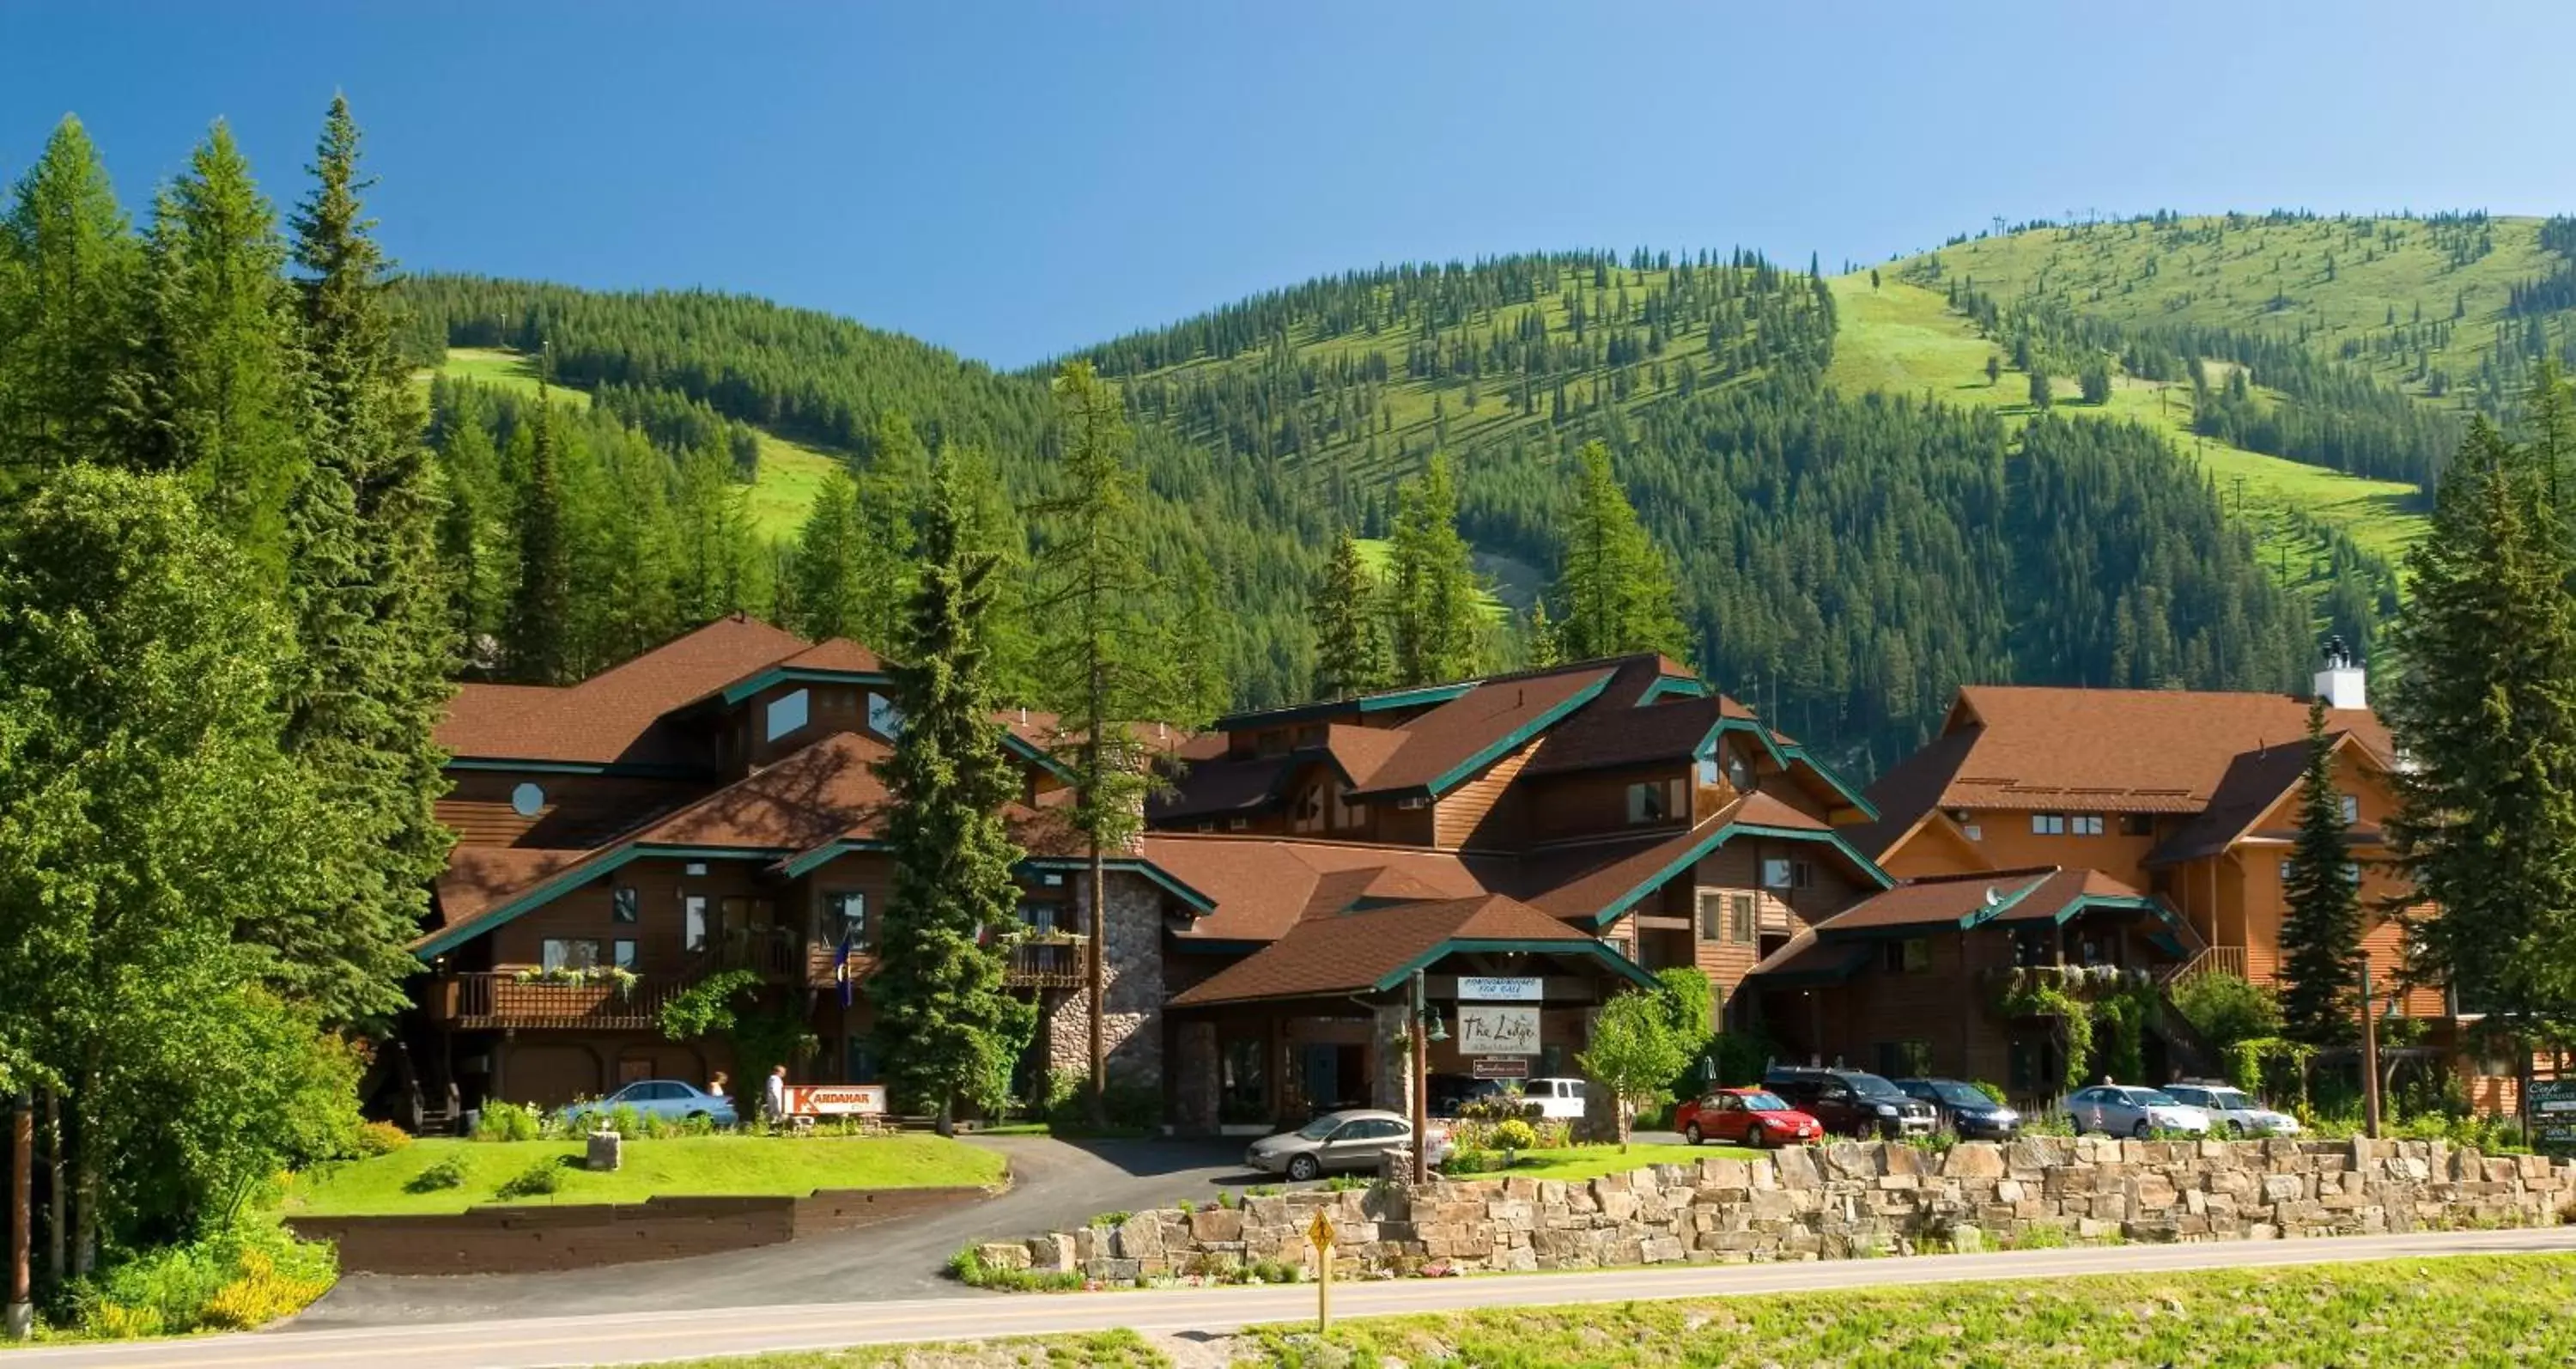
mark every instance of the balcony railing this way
{"type": "Point", "coordinates": [500, 998]}
{"type": "Point", "coordinates": [2211, 960]}
{"type": "Point", "coordinates": [1046, 965]}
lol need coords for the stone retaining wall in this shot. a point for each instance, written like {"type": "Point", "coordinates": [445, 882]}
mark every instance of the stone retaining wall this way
{"type": "Point", "coordinates": [1850, 1198]}
{"type": "Point", "coordinates": [516, 1240]}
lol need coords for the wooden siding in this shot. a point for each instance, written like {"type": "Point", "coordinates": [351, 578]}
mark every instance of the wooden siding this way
{"type": "Point", "coordinates": [579, 811]}
{"type": "Point", "coordinates": [1488, 812]}
{"type": "Point", "coordinates": [1595, 802]}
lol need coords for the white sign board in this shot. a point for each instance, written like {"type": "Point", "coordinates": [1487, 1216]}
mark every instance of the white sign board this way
{"type": "Point", "coordinates": [836, 1100]}
{"type": "Point", "coordinates": [1497, 1031]}
{"type": "Point", "coordinates": [1475, 990]}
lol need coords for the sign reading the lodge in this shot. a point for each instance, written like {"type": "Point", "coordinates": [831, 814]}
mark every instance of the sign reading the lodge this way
{"type": "Point", "coordinates": [1497, 1031]}
{"type": "Point", "coordinates": [1478, 990]}
{"type": "Point", "coordinates": [1501, 1067]}
{"type": "Point", "coordinates": [836, 1100]}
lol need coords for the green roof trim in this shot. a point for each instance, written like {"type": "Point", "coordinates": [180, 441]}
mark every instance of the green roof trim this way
{"type": "Point", "coordinates": [829, 851]}
{"type": "Point", "coordinates": [1497, 749]}
{"type": "Point", "coordinates": [1610, 913]}
{"type": "Point", "coordinates": [1599, 950]}
{"type": "Point", "coordinates": [1788, 755]}
{"type": "Point", "coordinates": [1834, 777]}
{"type": "Point", "coordinates": [505, 763]}
{"type": "Point", "coordinates": [1030, 751]}
{"type": "Point", "coordinates": [1157, 875]}
{"type": "Point", "coordinates": [1668, 684]}
{"type": "Point", "coordinates": [736, 693]}
{"type": "Point", "coordinates": [1982, 916]}
{"type": "Point", "coordinates": [571, 878]}
{"type": "Point", "coordinates": [1853, 959]}
{"type": "Point", "coordinates": [1326, 708]}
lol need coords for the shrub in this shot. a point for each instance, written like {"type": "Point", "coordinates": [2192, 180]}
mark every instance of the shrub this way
{"type": "Point", "coordinates": [448, 1171]}
{"type": "Point", "coordinates": [1515, 1135]}
{"type": "Point", "coordinates": [968, 1268]}
{"type": "Point", "coordinates": [626, 1121]}
{"type": "Point", "coordinates": [501, 1121]}
{"type": "Point", "coordinates": [1993, 1091]}
{"type": "Point", "coordinates": [378, 1138]}
{"type": "Point", "coordinates": [1465, 1161]}
{"type": "Point", "coordinates": [1111, 1218]}
{"type": "Point", "coordinates": [543, 1177]}
{"type": "Point", "coordinates": [238, 1278]}
{"type": "Point", "coordinates": [2228, 1009]}
{"type": "Point", "coordinates": [1126, 1107]}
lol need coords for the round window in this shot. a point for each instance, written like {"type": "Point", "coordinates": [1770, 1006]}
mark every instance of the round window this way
{"type": "Point", "coordinates": [527, 800]}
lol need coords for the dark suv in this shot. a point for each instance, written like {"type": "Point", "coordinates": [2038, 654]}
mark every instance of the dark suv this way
{"type": "Point", "coordinates": [1851, 1103]}
{"type": "Point", "coordinates": [1965, 1109]}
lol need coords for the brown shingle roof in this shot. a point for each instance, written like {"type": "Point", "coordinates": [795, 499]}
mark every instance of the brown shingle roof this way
{"type": "Point", "coordinates": [1356, 952]}
{"type": "Point", "coordinates": [1262, 886]}
{"type": "Point", "coordinates": [1439, 743]}
{"type": "Point", "coordinates": [616, 715]}
{"type": "Point", "coordinates": [1983, 896]}
{"type": "Point", "coordinates": [480, 878]}
{"type": "Point", "coordinates": [1579, 882]}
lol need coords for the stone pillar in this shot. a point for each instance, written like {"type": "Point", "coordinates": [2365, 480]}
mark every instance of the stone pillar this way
{"type": "Point", "coordinates": [1393, 1049]}
{"type": "Point", "coordinates": [1194, 1078]}
{"type": "Point", "coordinates": [1134, 973]}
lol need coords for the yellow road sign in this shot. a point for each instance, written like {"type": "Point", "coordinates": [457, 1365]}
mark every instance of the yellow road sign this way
{"type": "Point", "coordinates": [1319, 1233]}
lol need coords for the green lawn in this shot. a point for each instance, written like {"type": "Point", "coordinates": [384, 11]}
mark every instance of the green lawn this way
{"type": "Point", "coordinates": [507, 370]}
{"type": "Point", "coordinates": [1904, 339]}
{"type": "Point", "coordinates": [677, 1166]}
{"type": "Point", "coordinates": [2471, 1311]}
{"type": "Point", "coordinates": [1587, 1162]}
{"type": "Point", "coordinates": [1507, 582]}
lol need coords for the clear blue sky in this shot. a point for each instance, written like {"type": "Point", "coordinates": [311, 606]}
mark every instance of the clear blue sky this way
{"type": "Point", "coordinates": [1015, 181]}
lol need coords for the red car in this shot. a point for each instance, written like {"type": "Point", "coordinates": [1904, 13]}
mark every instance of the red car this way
{"type": "Point", "coordinates": [1746, 1117]}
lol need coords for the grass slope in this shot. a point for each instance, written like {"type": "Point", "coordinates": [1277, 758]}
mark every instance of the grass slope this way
{"type": "Point", "coordinates": [1905, 339]}
{"type": "Point", "coordinates": [2265, 275]}
{"type": "Point", "coordinates": [1507, 584]}
{"type": "Point", "coordinates": [2472, 1311]}
{"type": "Point", "coordinates": [698, 1166]}
{"type": "Point", "coordinates": [790, 472]}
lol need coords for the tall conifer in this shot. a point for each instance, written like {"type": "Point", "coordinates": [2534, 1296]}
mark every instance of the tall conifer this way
{"type": "Point", "coordinates": [66, 317]}
{"type": "Point", "coordinates": [826, 564]}
{"type": "Point", "coordinates": [1617, 587]}
{"type": "Point", "coordinates": [946, 1026]}
{"type": "Point", "coordinates": [540, 635]}
{"type": "Point", "coordinates": [1438, 627]}
{"type": "Point", "coordinates": [1349, 626]}
{"type": "Point", "coordinates": [2321, 929]}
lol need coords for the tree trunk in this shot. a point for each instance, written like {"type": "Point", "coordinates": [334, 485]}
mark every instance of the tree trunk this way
{"type": "Point", "coordinates": [55, 1200]}
{"type": "Point", "coordinates": [1096, 980]}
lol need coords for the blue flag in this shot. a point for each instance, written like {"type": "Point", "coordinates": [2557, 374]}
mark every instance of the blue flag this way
{"type": "Point", "coordinates": [841, 972]}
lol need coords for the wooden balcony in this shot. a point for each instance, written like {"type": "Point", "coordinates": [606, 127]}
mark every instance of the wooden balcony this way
{"type": "Point", "coordinates": [500, 999]}
{"type": "Point", "coordinates": [1046, 965]}
{"type": "Point", "coordinates": [2211, 960]}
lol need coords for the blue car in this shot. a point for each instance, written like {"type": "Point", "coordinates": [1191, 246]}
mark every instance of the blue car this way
{"type": "Point", "coordinates": [666, 1100]}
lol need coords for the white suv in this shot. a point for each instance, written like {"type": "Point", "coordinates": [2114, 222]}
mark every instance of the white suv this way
{"type": "Point", "coordinates": [2232, 1112]}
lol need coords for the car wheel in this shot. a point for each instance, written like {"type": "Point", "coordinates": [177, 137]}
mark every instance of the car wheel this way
{"type": "Point", "coordinates": [1691, 1133]}
{"type": "Point", "coordinates": [1304, 1167]}
{"type": "Point", "coordinates": [1757, 1138]}
{"type": "Point", "coordinates": [697, 1117]}
{"type": "Point", "coordinates": [2140, 1130]}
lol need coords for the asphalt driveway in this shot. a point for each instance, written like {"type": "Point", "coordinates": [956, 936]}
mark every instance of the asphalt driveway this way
{"type": "Point", "coordinates": [1055, 1185]}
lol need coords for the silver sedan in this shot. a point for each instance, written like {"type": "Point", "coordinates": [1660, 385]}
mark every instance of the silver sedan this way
{"type": "Point", "coordinates": [1355, 1139]}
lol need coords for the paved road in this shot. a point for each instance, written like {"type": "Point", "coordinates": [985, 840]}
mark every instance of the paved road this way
{"type": "Point", "coordinates": [648, 1337]}
{"type": "Point", "coordinates": [1054, 1185]}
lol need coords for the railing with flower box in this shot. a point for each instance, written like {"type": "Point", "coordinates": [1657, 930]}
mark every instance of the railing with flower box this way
{"type": "Point", "coordinates": [1046, 963]}
{"type": "Point", "coordinates": [598, 999]}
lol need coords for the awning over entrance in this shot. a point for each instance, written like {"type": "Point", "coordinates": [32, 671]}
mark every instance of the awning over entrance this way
{"type": "Point", "coordinates": [1371, 950]}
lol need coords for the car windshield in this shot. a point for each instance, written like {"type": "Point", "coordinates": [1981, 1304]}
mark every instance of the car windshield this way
{"type": "Point", "coordinates": [2229, 1098]}
{"type": "Point", "coordinates": [1320, 1128]}
{"type": "Point", "coordinates": [1871, 1086]}
{"type": "Point", "coordinates": [2153, 1098]}
{"type": "Point", "coordinates": [1961, 1095]}
{"type": "Point", "coordinates": [1764, 1102]}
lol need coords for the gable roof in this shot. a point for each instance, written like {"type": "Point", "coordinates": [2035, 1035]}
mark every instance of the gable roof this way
{"type": "Point", "coordinates": [1371, 950]}
{"type": "Point", "coordinates": [1263, 886]}
{"type": "Point", "coordinates": [2030, 748]}
{"type": "Point", "coordinates": [1829, 951]}
{"type": "Point", "coordinates": [1454, 740]}
{"type": "Point", "coordinates": [1597, 881]}
{"type": "Point", "coordinates": [615, 716]}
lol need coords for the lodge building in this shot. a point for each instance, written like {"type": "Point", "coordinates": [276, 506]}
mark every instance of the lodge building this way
{"type": "Point", "coordinates": [1313, 873]}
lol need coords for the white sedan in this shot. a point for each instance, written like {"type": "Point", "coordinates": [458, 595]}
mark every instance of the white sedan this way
{"type": "Point", "coordinates": [2126, 1110]}
{"type": "Point", "coordinates": [2234, 1112]}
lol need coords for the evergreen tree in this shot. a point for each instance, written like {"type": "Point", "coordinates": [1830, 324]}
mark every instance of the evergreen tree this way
{"type": "Point", "coordinates": [946, 1026]}
{"type": "Point", "coordinates": [2484, 709]}
{"type": "Point", "coordinates": [1617, 586]}
{"type": "Point", "coordinates": [363, 589]}
{"type": "Point", "coordinates": [1350, 632]}
{"type": "Point", "coordinates": [718, 572]}
{"type": "Point", "coordinates": [1107, 663]}
{"type": "Point", "coordinates": [1994, 368]}
{"type": "Point", "coordinates": [2094, 383]}
{"type": "Point", "coordinates": [215, 392]}
{"type": "Point", "coordinates": [1437, 626]}
{"type": "Point", "coordinates": [474, 540]}
{"type": "Point", "coordinates": [2321, 929]}
{"type": "Point", "coordinates": [66, 317]}
{"type": "Point", "coordinates": [540, 639]}
{"type": "Point", "coordinates": [2039, 394]}
{"type": "Point", "coordinates": [828, 563]}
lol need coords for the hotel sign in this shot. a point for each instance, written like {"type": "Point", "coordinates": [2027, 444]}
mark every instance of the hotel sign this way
{"type": "Point", "coordinates": [1497, 1031]}
{"type": "Point", "coordinates": [1475, 990]}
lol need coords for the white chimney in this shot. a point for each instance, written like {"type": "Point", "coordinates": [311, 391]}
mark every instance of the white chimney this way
{"type": "Point", "coordinates": [2341, 683]}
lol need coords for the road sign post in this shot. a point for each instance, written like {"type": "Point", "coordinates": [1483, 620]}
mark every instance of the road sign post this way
{"type": "Point", "coordinates": [1319, 1234]}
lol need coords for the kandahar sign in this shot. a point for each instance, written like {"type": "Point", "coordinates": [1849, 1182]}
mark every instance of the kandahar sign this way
{"type": "Point", "coordinates": [1478, 990]}
{"type": "Point", "coordinates": [2553, 1114]}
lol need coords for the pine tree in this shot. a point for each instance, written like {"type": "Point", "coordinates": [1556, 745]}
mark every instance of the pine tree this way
{"type": "Point", "coordinates": [540, 638]}
{"type": "Point", "coordinates": [215, 392]}
{"type": "Point", "coordinates": [2321, 929]}
{"type": "Point", "coordinates": [2484, 709]}
{"type": "Point", "coordinates": [67, 303]}
{"type": "Point", "coordinates": [717, 572]}
{"type": "Point", "coordinates": [1437, 625]}
{"type": "Point", "coordinates": [1350, 631]}
{"type": "Point", "coordinates": [2039, 392]}
{"type": "Point", "coordinates": [363, 589]}
{"type": "Point", "coordinates": [946, 1026]}
{"type": "Point", "coordinates": [1108, 660]}
{"type": "Point", "coordinates": [1617, 586]}
{"type": "Point", "coordinates": [826, 564]}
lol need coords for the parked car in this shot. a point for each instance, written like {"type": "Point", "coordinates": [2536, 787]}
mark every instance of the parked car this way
{"type": "Point", "coordinates": [1746, 1117]}
{"type": "Point", "coordinates": [2233, 1111]}
{"type": "Point", "coordinates": [1354, 1139]}
{"type": "Point", "coordinates": [2127, 1110]}
{"type": "Point", "coordinates": [1851, 1102]}
{"type": "Point", "coordinates": [1557, 1099]}
{"type": "Point", "coordinates": [1965, 1109]}
{"type": "Point", "coordinates": [667, 1100]}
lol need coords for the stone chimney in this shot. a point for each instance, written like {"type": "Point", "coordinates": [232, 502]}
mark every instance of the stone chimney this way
{"type": "Point", "coordinates": [2341, 683]}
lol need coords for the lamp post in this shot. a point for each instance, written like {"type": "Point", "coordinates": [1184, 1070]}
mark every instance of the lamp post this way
{"type": "Point", "coordinates": [1419, 1086]}
{"type": "Point", "coordinates": [2369, 1058]}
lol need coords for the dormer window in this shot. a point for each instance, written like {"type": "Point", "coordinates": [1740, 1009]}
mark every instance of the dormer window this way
{"type": "Point", "coordinates": [787, 713]}
{"type": "Point", "coordinates": [1708, 772]}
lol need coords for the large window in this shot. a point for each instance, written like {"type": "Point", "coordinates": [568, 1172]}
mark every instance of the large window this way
{"type": "Point", "coordinates": [693, 920]}
{"type": "Point", "coordinates": [2048, 824]}
{"type": "Point", "coordinates": [787, 713]}
{"type": "Point", "coordinates": [572, 953]}
{"type": "Point", "coordinates": [845, 918]}
{"type": "Point", "coordinates": [1655, 800]}
{"type": "Point", "coordinates": [2085, 824]}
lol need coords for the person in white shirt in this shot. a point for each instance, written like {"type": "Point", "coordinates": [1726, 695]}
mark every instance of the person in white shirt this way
{"type": "Point", "coordinates": [774, 1101]}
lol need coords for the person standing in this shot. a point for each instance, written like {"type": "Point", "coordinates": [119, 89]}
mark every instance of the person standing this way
{"type": "Point", "coordinates": [773, 1102]}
